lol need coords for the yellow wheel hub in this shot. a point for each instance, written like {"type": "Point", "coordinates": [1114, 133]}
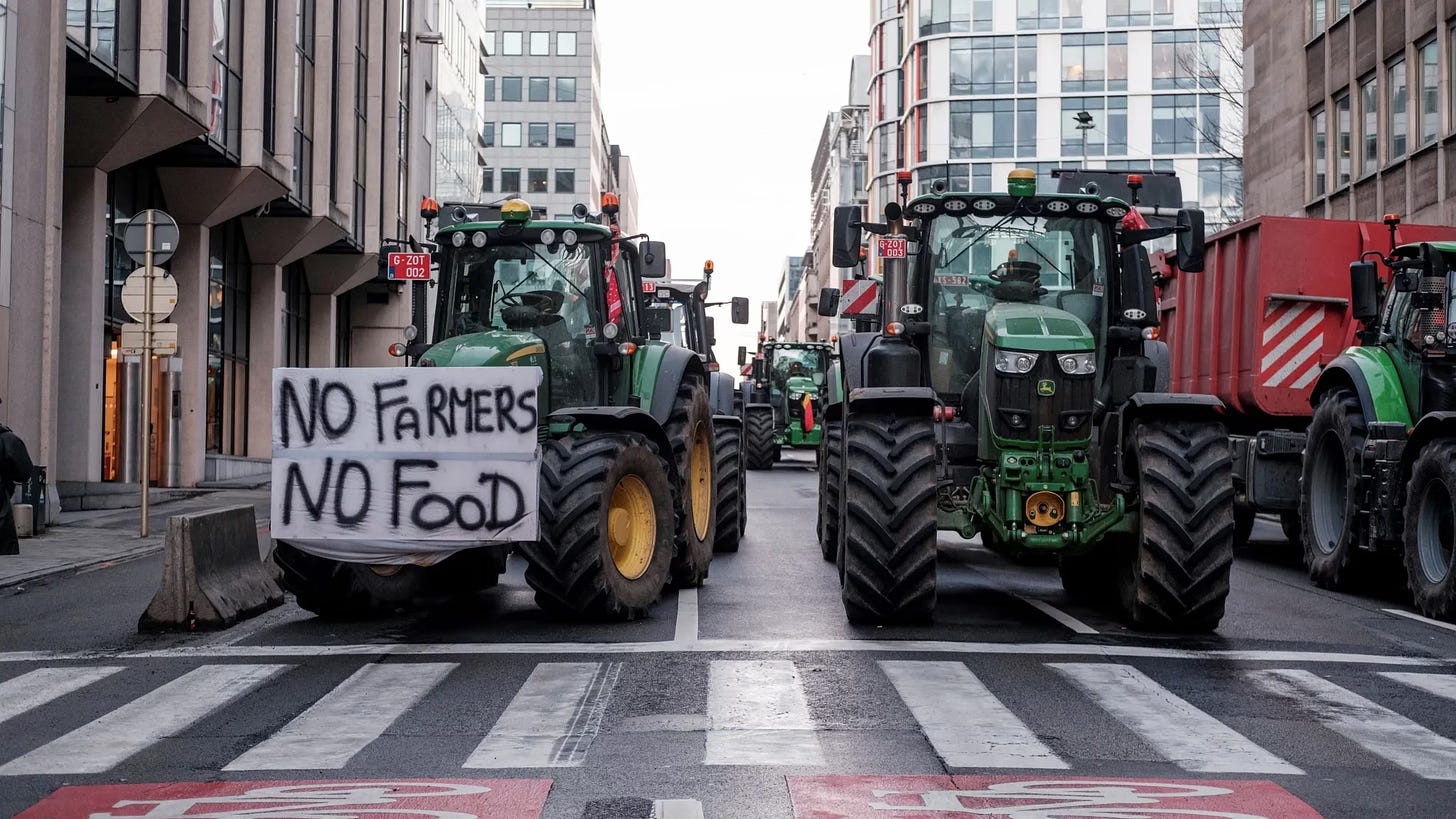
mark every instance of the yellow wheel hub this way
{"type": "Point", "coordinates": [1045, 509]}
{"type": "Point", "coordinates": [700, 478]}
{"type": "Point", "coordinates": [631, 527]}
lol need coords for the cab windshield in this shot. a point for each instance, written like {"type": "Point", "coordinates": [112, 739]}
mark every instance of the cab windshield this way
{"type": "Point", "coordinates": [523, 286]}
{"type": "Point", "coordinates": [791, 362]}
{"type": "Point", "coordinates": [975, 262]}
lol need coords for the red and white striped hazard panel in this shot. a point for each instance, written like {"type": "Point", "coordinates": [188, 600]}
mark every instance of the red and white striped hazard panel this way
{"type": "Point", "coordinates": [1294, 334]}
{"type": "Point", "coordinates": [859, 297]}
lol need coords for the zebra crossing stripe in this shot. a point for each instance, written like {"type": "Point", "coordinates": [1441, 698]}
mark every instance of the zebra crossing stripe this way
{"type": "Point", "coordinates": [1441, 685]}
{"type": "Point", "coordinates": [346, 720]}
{"type": "Point", "coordinates": [164, 712]}
{"type": "Point", "coordinates": [552, 720]}
{"type": "Point", "coordinates": [1186, 736]}
{"type": "Point", "coordinates": [1373, 727]}
{"type": "Point", "coordinates": [967, 725]}
{"type": "Point", "coordinates": [38, 687]}
{"type": "Point", "coordinates": [757, 715]}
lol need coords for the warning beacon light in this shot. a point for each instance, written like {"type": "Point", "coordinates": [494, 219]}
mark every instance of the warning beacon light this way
{"type": "Point", "coordinates": [429, 209]}
{"type": "Point", "coordinates": [516, 210]}
{"type": "Point", "coordinates": [610, 203]}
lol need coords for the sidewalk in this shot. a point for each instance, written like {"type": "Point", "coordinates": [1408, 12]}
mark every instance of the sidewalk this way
{"type": "Point", "coordinates": [86, 540]}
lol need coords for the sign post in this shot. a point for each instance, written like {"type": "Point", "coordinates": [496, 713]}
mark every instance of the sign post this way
{"type": "Point", "coordinates": [149, 243]}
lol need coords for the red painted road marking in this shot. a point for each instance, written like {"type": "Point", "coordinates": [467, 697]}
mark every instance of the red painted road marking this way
{"type": "Point", "coordinates": [1033, 797]}
{"type": "Point", "coordinates": [456, 798]}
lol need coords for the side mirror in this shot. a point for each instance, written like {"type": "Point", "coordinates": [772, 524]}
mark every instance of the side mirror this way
{"type": "Point", "coordinates": [742, 356]}
{"type": "Point", "coordinates": [740, 311]}
{"type": "Point", "coordinates": [1191, 241]}
{"type": "Point", "coordinates": [712, 332]}
{"type": "Point", "coordinates": [847, 235]}
{"type": "Point", "coordinates": [654, 260]}
{"type": "Point", "coordinates": [1364, 292]}
{"type": "Point", "coordinates": [829, 302]}
{"type": "Point", "coordinates": [657, 321]}
{"type": "Point", "coordinates": [1137, 301]}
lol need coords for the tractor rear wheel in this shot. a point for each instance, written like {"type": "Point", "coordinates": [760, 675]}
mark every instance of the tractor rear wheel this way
{"type": "Point", "coordinates": [1430, 531]}
{"type": "Point", "coordinates": [336, 590]}
{"type": "Point", "coordinates": [732, 488]}
{"type": "Point", "coordinates": [758, 428]}
{"type": "Point", "coordinates": [1176, 576]}
{"type": "Point", "coordinates": [1327, 490]}
{"type": "Point", "coordinates": [608, 520]}
{"type": "Point", "coordinates": [889, 526]}
{"type": "Point", "coordinates": [831, 459]}
{"type": "Point", "coordinates": [690, 430]}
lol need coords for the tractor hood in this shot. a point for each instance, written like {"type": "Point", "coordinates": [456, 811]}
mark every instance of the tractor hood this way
{"type": "Point", "coordinates": [801, 383]}
{"type": "Point", "coordinates": [496, 348]}
{"type": "Point", "coordinates": [1036, 327]}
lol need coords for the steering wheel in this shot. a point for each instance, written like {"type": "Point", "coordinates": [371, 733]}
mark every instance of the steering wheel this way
{"type": "Point", "coordinates": [545, 301]}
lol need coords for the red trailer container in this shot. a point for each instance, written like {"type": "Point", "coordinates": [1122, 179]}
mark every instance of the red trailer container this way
{"type": "Point", "coordinates": [1255, 328]}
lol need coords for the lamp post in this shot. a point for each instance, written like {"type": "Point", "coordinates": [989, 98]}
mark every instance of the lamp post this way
{"type": "Point", "coordinates": [1084, 124]}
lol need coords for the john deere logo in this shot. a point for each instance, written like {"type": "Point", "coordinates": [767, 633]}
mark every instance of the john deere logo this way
{"type": "Point", "coordinates": [1046, 388]}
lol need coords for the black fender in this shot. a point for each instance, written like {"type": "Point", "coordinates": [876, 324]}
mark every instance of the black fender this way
{"type": "Point", "coordinates": [1145, 405]}
{"type": "Point", "coordinates": [677, 363]}
{"type": "Point", "coordinates": [833, 412]}
{"type": "Point", "coordinates": [1431, 427]}
{"type": "Point", "coordinates": [1199, 407]}
{"type": "Point", "coordinates": [1156, 352]}
{"type": "Point", "coordinates": [901, 400]}
{"type": "Point", "coordinates": [622, 419]}
{"type": "Point", "coordinates": [1342, 372]}
{"type": "Point", "coordinates": [720, 393]}
{"type": "Point", "coordinates": [852, 350]}
{"type": "Point", "coordinates": [727, 420]}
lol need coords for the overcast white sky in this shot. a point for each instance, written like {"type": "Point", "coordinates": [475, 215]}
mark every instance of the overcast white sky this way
{"type": "Point", "coordinates": [720, 106]}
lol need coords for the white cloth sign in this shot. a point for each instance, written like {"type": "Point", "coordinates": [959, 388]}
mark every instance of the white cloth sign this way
{"type": "Point", "coordinates": [382, 465]}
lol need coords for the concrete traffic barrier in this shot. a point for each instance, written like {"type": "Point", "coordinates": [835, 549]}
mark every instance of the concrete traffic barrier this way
{"type": "Point", "coordinates": [211, 574]}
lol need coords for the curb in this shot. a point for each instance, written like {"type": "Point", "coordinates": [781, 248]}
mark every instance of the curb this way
{"type": "Point", "coordinates": [77, 568]}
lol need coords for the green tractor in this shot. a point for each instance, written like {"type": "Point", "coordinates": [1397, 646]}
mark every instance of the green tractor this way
{"type": "Point", "coordinates": [678, 313]}
{"type": "Point", "coordinates": [1010, 393]}
{"type": "Point", "coordinates": [627, 493]}
{"type": "Point", "coordinates": [1379, 465]}
{"type": "Point", "coordinates": [781, 400]}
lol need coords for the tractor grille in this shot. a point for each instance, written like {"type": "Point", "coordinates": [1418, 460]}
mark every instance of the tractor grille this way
{"type": "Point", "coordinates": [1020, 410]}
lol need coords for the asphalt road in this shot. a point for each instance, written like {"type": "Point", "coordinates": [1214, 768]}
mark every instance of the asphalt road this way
{"type": "Point", "coordinates": [751, 697]}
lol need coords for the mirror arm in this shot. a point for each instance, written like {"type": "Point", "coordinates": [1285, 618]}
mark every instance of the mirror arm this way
{"type": "Point", "coordinates": [1137, 237]}
{"type": "Point", "coordinates": [877, 228]}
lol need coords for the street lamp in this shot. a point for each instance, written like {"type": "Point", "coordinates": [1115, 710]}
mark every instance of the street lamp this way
{"type": "Point", "coordinates": [1084, 124]}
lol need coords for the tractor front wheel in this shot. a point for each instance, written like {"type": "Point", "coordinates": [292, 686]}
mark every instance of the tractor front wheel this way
{"type": "Point", "coordinates": [1430, 531]}
{"type": "Point", "coordinates": [1327, 490]}
{"type": "Point", "coordinates": [758, 427]}
{"type": "Point", "coordinates": [831, 460]}
{"type": "Point", "coordinates": [732, 487]}
{"type": "Point", "coordinates": [690, 429]}
{"type": "Point", "coordinates": [1176, 575]}
{"type": "Point", "coordinates": [607, 527]}
{"type": "Point", "coordinates": [336, 590]}
{"type": "Point", "coordinates": [889, 525]}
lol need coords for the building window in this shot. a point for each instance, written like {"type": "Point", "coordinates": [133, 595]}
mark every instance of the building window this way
{"type": "Point", "coordinates": [510, 180]}
{"type": "Point", "coordinates": [540, 89]}
{"type": "Point", "coordinates": [270, 74]}
{"type": "Point", "coordinates": [1122, 13]}
{"type": "Point", "coordinates": [565, 181]}
{"type": "Point", "coordinates": [487, 43]}
{"type": "Point", "coordinates": [487, 135]}
{"type": "Point", "coordinates": [1185, 59]}
{"type": "Point", "coordinates": [1342, 7]}
{"type": "Point", "coordinates": [1316, 17]}
{"type": "Point", "coordinates": [105, 32]}
{"type": "Point", "coordinates": [1108, 132]}
{"type": "Point", "coordinates": [1395, 89]}
{"type": "Point", "coordinates": [4, 52]}
{"type": "Point", "coordinates": [1428, 106]}
{"type": "Point", "coordinates": [982, 129]}
{"type": "Point", "coordinates": [361, 108]}
{"type": "Point", "coordinates": [922, 136]}
{"type": "Point", "coordinates": [536, 180]}
{"type": "Point", "coordinates": [511, 43]}
{"type": "Point", "coordinates": [510, 89]}
{"type": "Point", "coordinates": [403, 205]}
{"type": "Point", "coordinates": [1221, 12]}
{"type": "Point", "coordinates": [993, 65]}
{"type": "Point", "coordinates": [510, 134]}
{"type": "Point", "coordinates": [1179, 120]}
{"type": "Point", "coordinates": [1034, 14]}
{"type": "Point", "coordinates": [228, 298]}
{"type": "Point", "coordinates": [179, 16]}
{"type": "Point", "coordinates": [566, 135]}
{"type": "Point", "coordinates": [296, 310]}
{"type": "Point", "coordinates": [224, 116]}
{"type": "Point", "coordinates": [538, 135]}
{"type": "Point", "coordinates": [1221, 191]}
{"type": "Point", "coordinates": [942, 16]}
{"type": "Point", "coordinates": [1369, 127]}
{"type": "Point", "coordinates": [1026, 127]}
{"type": "Point", "coordinates": [1344, 146]}
{"type": "Point", "coordinates": [566, 44]}
{"type": "Point", "coordinates": [1071, 13]}
{"type": "Point", "coordinates": [1319, 154]}
{"type": "Point", "coordinates": [540, 44]}
{"type": "Point", "coordinates": [566, 89]}
{"type": "Point", "coordinates": [303, 102]}
{"type": "Point", "coordinates": [1093, 62]}
{"type": "Point", "coordinates": [487, 89]}
{"type": "Point", "coordinates": [487, 180]}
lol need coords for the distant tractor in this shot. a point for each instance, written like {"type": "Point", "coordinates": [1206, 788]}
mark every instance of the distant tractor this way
{"type": "Point", "coordinates": [627, 489]}
{"type": "Point", "coordinates": [782, 399]}
{"type": "Point", "coordinates": [1011, 393]}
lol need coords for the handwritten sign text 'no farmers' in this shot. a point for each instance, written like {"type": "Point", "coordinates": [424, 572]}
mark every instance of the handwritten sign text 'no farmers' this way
{"type": "Point", "coordinates": [374, 463]}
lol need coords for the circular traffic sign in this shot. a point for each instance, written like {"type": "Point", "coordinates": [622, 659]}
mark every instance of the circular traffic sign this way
{"type": "Point", "coordinates": [134, 294]}
{"type": "Point", "coordinates": [165, 236]}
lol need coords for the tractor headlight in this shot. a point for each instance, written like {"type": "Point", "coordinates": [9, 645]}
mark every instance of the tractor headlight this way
{"type": "Point", "coordinates": [796, 396]}
{"type": "Point", "coordinates": [1078, 363]}
{"type": "Point", "coordinates": [458, 239]}
{"type": "Point", "coordinates": [1014, 362]}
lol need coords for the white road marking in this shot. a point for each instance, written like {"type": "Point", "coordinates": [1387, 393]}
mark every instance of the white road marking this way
{"type": "Point", "coordinates": [1375, 728]}
{"type": "Point", "coordinates": [1057, 614]}
{"type": "Point", "coordinates": [677, 809]}
{"type": "Point", "coordinates": [1419, 619]}
{"type": "Point", "coordinates": [1442, 685]}
{"type": "Point", "coordinates": [552, 720]}
{"type": "Point", "coordinates": [964, 721]}
{"type": "Point", "coordinates": [45, 684]}
{"type": "Point", "coordinates": [1186, 736]}
{"type": "Point", "coordinates": [248, 628]}
{"type": "Point", "coordinates": [164, 712]}
{"type": "Point", "coordinates": [341, 724]}
{"type": "Point", "coordinates": [757, 715]}
{"type": "Point", "coordinates": [686, 632]}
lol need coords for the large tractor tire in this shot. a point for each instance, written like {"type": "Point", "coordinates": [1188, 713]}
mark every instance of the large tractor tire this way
{"type": "Point", "coordinates": [758, 431]}
{"type": "Point", "coordinates": [831, 460]}
{"type": "Point", "coordinates": [1176, 575]}
{"type": "Point", "coordinates": [690, 430]}
{"type": "Point", "coordinates": [732, 488]}
{"type": "Point", "coordinates": [1430, 531]}
{"type": "Point", "coordinates": [608, 521]}
{"type": "Point", "coordinates": [889, 524]}
{"type": "Point", "coordinates": [1327, 490]}
{"type": "Point", "coordinates": [335, 590]}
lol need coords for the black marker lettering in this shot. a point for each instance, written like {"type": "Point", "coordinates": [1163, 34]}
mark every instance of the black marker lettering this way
{"type": "Point", "coordinates": [352, 521]}
{"type": "Point", "coordinates": [527, 401]}
{"type": "Point", "coordinates": [288, 393]}
{"type": "Point", "coordinates": [401, 485]}
{"type": "Point", "coordinates": [380, 405]}
{"type": "Point", "coordinates": [482, 412]}
{"type": "Point", "coordinates": [505, 402]}
{"type": "Point", "coordinates": [335, 432]}
{"type": "Point", "coordinates": [314, 505]}
{"type": "Point", "coordinates": [439, 400]}
{"type": "Point", "coordinates": [460, 400]}
{"type": "Point", "coordinates": [417, 517]}
{"type": "Point", "coordinates": [408, 420]}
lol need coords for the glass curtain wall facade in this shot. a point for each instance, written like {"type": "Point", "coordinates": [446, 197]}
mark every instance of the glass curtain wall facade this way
{"type": "Point", "coordinates": [459, 135]}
